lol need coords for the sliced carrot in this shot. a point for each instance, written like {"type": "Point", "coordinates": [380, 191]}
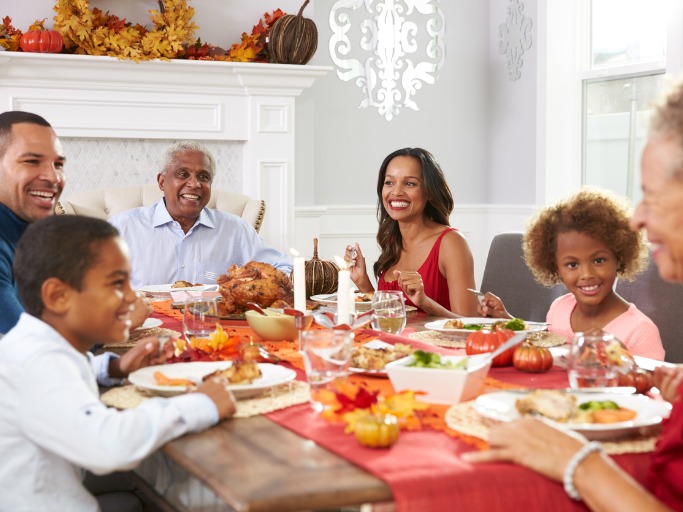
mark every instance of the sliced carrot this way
{"type": "Point", "coordinates": [164, 380]}
{"type": "Point", "coordinates": [613, 415]}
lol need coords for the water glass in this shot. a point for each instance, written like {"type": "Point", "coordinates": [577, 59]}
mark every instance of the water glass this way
{"type": "Point", "coordinates": [200, 317]}
{"type": "Point", "coordinates": [326, 359]}
{"type": "Point", "coordinates": [588, 364]}
{"type": "Point", "coordinates": [389, 311]}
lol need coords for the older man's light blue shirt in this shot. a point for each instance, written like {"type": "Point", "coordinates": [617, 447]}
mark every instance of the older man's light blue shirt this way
{"type": "Point", "coordinates": [162, 253]}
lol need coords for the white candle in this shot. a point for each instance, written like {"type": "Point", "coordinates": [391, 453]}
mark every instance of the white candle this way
{"type": "Point", "coordinates": [299, 282]}
{"type": "Point", "coordinates": [344, 297]}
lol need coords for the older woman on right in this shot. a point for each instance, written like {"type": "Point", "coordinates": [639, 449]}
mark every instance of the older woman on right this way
{"type": "Point", "coordinates": [586, 472]}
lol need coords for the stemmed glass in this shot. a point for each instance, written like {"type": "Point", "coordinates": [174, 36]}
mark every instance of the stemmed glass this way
{"type": "Point", "coordinates": [200, 317]}
{"type": "Point", "coordinates": [389, 311]}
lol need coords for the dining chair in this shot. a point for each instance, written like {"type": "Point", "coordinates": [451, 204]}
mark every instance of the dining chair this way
{"type": "Point", "coordinates": [663, 303]}
{"type": "Point", "coordinates": [506, 275]}
{"type": "Point", "coordinates": [105, 203]}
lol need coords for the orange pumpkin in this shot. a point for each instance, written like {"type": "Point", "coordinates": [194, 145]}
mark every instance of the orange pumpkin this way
{"type": "Point", "coordinates": [483, 341]}
{"type": "Point", "coordinates": [42, 41]}
{"type": "Point", "coordinates": [528, 358]}
{"type": "Point", "coordinates": [377, 430]}
{"type": "Point", "coordinates": [639, 378]}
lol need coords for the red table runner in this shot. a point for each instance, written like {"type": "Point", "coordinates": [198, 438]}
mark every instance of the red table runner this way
{"type": "Point", "coordinates": [423, 469]}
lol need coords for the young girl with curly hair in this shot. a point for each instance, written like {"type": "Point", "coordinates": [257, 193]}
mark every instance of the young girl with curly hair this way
{"type": "Point", "coordinates": [585, 242]}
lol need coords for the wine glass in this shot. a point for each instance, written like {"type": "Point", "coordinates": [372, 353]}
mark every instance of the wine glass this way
{"type": "Point", "coordinates": [389, 311]}
{"type": "Point", "coordinates": [200, 317]}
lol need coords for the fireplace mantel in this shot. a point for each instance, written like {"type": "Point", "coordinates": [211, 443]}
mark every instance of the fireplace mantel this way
{"type": "Point", "coordinates": [102, 97]}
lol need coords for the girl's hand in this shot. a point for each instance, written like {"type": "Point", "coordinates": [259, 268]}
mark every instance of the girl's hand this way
{"type": "Point", "coordinates": [493, 307]}
{"type": "Point", "coordinates": [668, 379]}
{"type": "Point", "coordinates": [412, 285]}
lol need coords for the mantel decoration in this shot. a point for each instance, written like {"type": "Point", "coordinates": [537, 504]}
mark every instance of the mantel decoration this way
{"type": "Point", "coordinates": [321, 275]}
{"type": "Point", "coordinates": [293, 39]}
{"type": "Point", "coordinates": [389, 34]}
{"type": "Point", "coordinates": [89, 31]}
{"type": "Point", "coordinates": [514, 38]}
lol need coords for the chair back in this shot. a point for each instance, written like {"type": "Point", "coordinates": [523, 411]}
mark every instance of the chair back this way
{"type": "Point", "coordinates": [663, 303]}
{"type": "Point", "coordinates": [105, 203]}
{"type": "Point", "coordinates": [506, 275]}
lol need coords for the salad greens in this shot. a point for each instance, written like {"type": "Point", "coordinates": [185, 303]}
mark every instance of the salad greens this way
{"type": "Point", "coordinates": [598, 405]}
{"type": "Point", "coordinates": [431, 360]}
{"type": "Point", "coordinates": [516, 324]}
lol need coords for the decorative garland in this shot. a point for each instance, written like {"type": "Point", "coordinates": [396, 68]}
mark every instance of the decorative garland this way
{"type": "Point", "coordinates": [96, 33]}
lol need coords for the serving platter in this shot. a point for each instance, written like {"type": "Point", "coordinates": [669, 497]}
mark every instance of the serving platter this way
{"type": "Point", "coordinates": [271, 375]}
{"type": "Point", "coordinates": [382, 372]}
{"type": "Point", "coordinates": [501, 406]}
{"type": "Point", "coordinates": [168, 288]}
{"type": "Point", "coordinates": [330, 299]}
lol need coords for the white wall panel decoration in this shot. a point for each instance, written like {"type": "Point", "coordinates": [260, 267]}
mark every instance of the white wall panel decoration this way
{"type": "Point", "coordinates": [272, 119]}
{"type": "Point", "coordinates": [276, 186]}
{"type": "Point", "coordinates": [515, 38]}
{"type": "Point", "coordinates": [389, 48]}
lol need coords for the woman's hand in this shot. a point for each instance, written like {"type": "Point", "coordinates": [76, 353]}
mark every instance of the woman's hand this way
{"type": "Point", "coordinates": [531, 443]}
{"type": "Point", "coordinates": [668, 379]}
{"type": "Point", "coordinates": [493, 307]}
{"type": "Point", "coordinates": [216, 389]}
{"type": "Point", "coordinates": [356, 264]}
{"type": "Point", "coordinates": [412, 285]}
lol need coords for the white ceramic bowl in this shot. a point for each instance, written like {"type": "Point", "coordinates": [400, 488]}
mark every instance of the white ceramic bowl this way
{"type": "Point", "coordinates": [275, 326]}
{"type": "Point", "coordinates": [442, 386]}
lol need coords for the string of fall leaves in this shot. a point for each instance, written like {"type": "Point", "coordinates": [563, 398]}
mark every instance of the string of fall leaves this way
{"type": "Point", "coordinates": [92, 32]}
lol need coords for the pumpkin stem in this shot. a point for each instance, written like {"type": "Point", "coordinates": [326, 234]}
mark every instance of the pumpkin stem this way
{"type": "Point", "coordinates": [315, 248]}
{"type": "Point", "coordinates": [303, 7]}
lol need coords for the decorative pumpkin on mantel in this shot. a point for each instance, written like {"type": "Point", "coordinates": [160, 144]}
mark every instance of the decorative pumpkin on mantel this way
{"type": "Point", "coordinates": [39, 40]}
{"type": "Point", "coordinates": [321, 276]}
{"type": "Point", "coordinates": [293, 39]}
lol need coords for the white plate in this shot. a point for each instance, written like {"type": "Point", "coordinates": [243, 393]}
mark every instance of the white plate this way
{"type": "Point", "coordinates": [501, 406]}
{"type": "Point", "coordinates": [272, 375]}
{"type": "Point", "coordinates": [167, 288]}
{"type": "Point", "coordinates": [438, 325]}
{"type": "Point", "coordinates": [331, 300]}
{"type": "Point", "coordinates": [149, 323]}
{"type": "Point", "coordinates": [373, 373]}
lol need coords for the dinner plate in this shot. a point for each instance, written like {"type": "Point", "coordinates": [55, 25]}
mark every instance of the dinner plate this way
{"type": "Point", "coordinates": [501, 406]}
{"type": "Point", "coordinates": [330, 299]}
{"type": "Point", "coordinates": [167, 288]}
{"type": "Point", "coordinates": [374, 373]}
{"type": "Point", "coordinates": [271, 375]}
{"type": "Point", "coordinates": [150, 323]}
{"type": "Point", "coordinates": [438, 325]}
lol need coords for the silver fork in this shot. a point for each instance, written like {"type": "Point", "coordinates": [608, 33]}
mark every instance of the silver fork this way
{"type": "Point", "coordinates": [211, 275]}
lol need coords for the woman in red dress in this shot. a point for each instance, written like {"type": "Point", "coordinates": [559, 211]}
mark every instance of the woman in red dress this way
{"type": "Point", "coordinates": [586, 472]}
{"type": "Point", "coordinates": [421, 254]}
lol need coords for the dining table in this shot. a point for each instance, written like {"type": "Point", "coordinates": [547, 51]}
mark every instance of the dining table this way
{"type": "Point", "coordinates": [292, 459]}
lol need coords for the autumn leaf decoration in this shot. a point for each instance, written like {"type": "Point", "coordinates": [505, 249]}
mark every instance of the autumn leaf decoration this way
{"type": "Point", "coordinates": [9, 36]}
{"type": "Point", "coordinates": [92, 32]}
{"type": "Point", "coordinates": [252, 48]}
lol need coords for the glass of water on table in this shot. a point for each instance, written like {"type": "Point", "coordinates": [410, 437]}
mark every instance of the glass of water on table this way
{"type": "Point", "coordinates": [590, 364]}
{"type": "Point", "coordinates": [200, 317]}
{"type": "Point", "coordinates": [389, 311]}
{"type": "Point", "coordinates": [327, 354]}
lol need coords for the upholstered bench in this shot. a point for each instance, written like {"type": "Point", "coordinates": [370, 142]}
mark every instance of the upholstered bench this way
{"type": "Point", "coordinates": [105, 203]}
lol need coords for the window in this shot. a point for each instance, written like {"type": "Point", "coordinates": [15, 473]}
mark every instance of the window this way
{"type": "Point", "coordinates": [623, 72]}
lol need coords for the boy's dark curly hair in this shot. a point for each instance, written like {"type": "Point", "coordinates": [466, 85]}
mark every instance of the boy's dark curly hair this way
{"type": "Point", "coordinates": [595, 213]}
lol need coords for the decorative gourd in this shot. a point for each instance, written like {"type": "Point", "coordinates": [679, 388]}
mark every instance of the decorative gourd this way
{"type": "Point", "coordinates": [377, 430]}
{"type": "Point", "coordinates": [529, 358]}
{"type": "Point", "coordinates": [483, 341]}
{"type": "Point", "coordinates": [639, 378]}
{"type": "Point", "coordinates": [293, 39]}
{"type": "Point", "coordinates": [321, 276]}
{"type": "Point", "coordinates": [39, 40]}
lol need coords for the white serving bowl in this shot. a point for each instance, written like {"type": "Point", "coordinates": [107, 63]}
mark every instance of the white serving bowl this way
{"type": "Point", "coordinates": [441, 385]}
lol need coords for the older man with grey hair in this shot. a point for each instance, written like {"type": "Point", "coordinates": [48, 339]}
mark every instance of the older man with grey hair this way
{"type": "Point", "coordinates": [179, 238]}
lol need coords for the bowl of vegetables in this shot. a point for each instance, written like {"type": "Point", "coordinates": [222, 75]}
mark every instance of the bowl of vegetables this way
{"type": "Point", "coordinates": [443, 379]}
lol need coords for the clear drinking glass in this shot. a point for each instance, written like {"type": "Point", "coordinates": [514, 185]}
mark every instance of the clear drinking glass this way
{"type": "Point", "coordinates": [200, 317]}
{"type": "Point", "coordinates": [588, 365]}
{"type": "Point", "coordinates": [326, 359]}
{"type": "Point", "coordinates": [389, 311]}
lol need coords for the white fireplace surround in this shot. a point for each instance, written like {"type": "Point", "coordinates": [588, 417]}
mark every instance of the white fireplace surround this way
{"type": "Point", "coordinates": [130, 111]}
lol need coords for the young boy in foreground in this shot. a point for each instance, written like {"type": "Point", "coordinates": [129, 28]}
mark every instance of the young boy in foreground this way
{"type": "Point", "coordinates": [73, 274]}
